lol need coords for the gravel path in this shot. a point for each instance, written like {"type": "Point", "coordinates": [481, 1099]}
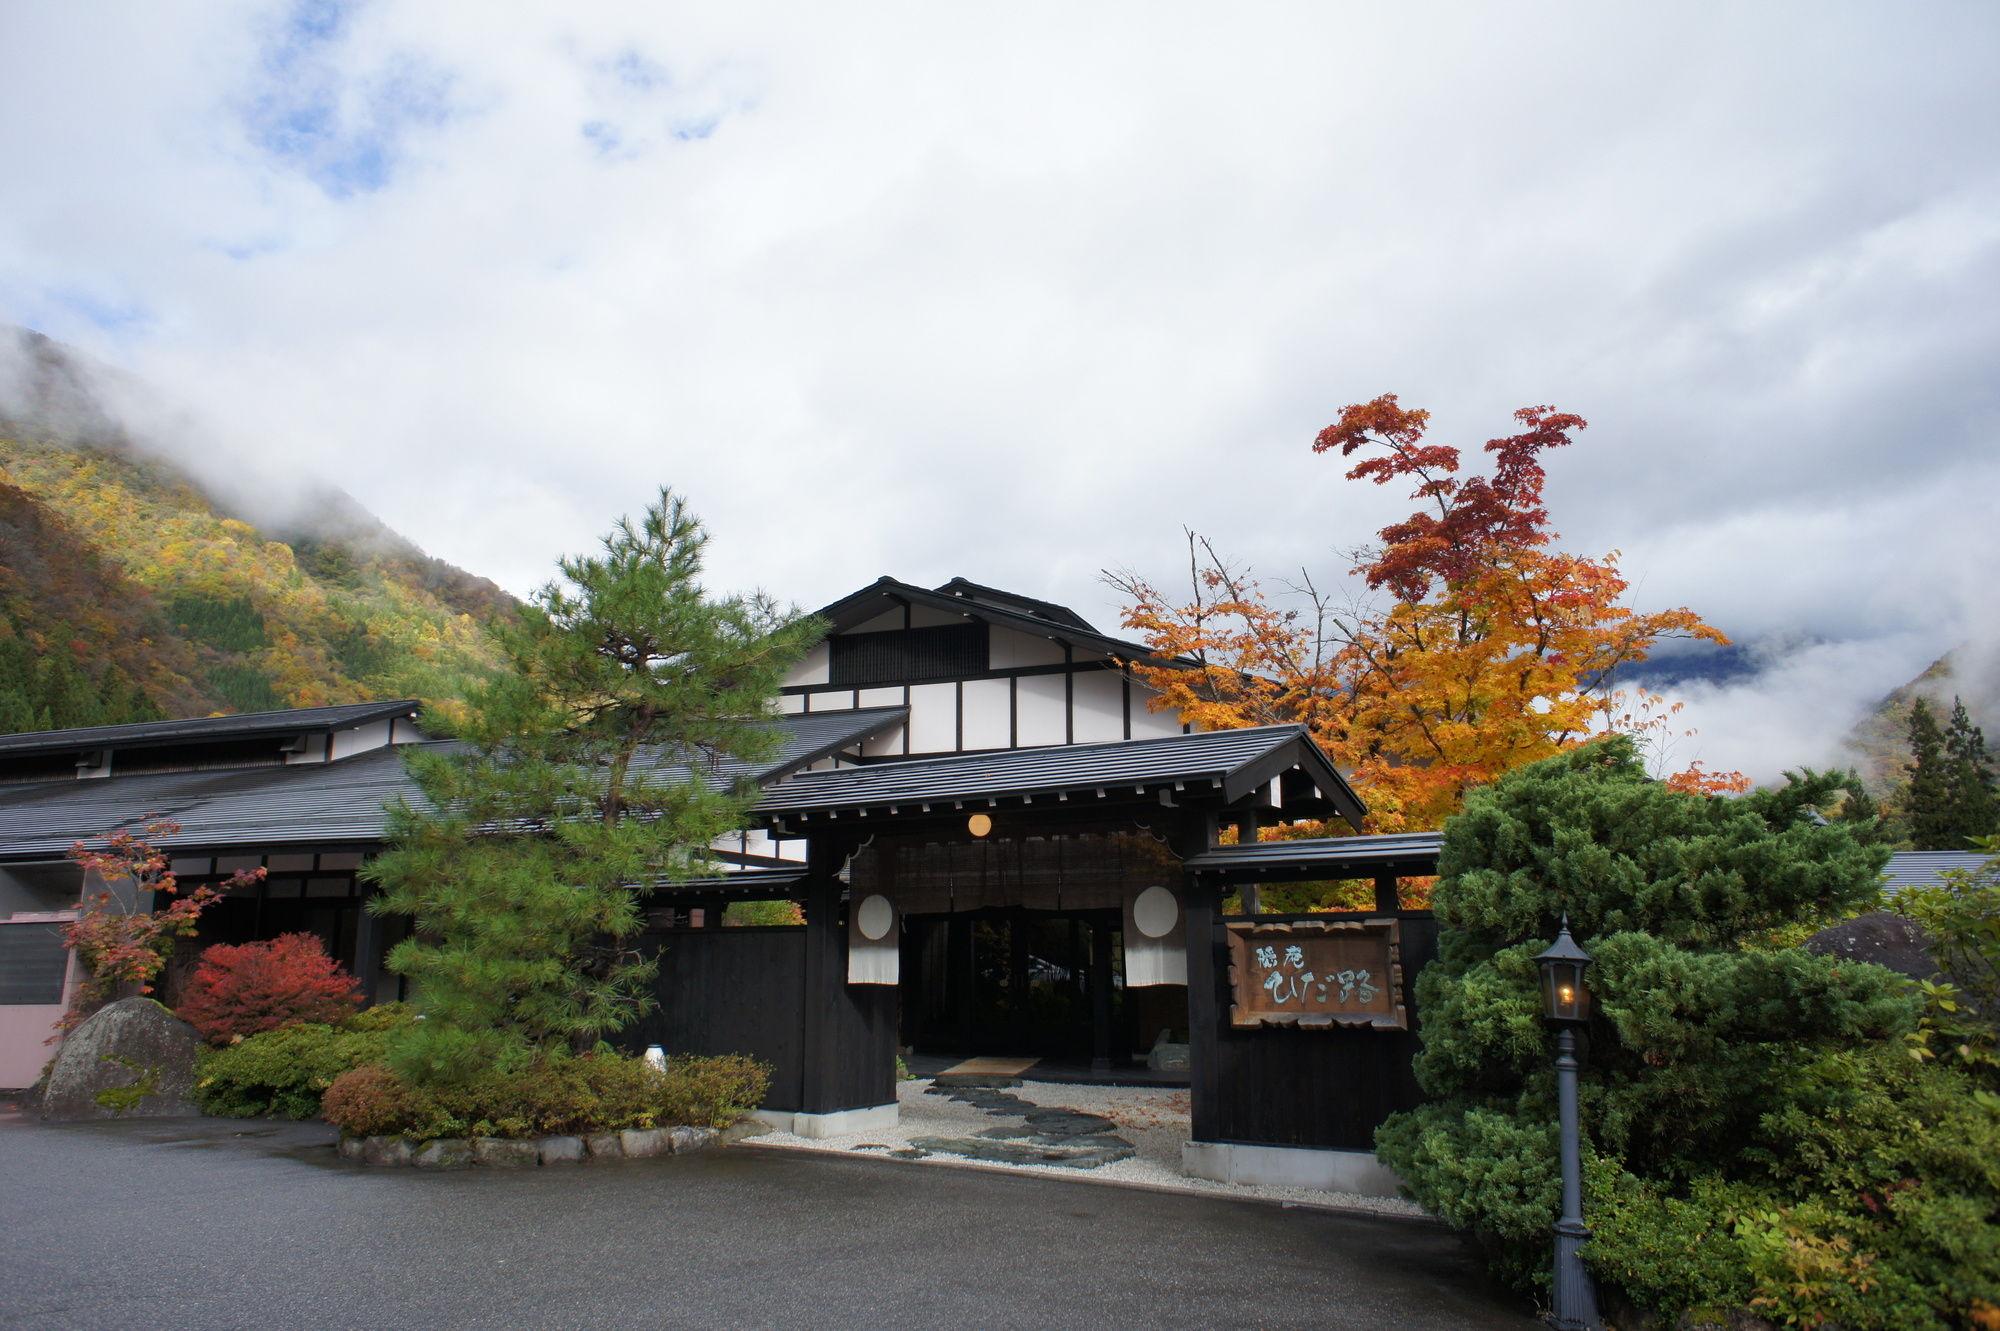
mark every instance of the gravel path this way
{"type": "Point", "coordinates": [1154, 1120]}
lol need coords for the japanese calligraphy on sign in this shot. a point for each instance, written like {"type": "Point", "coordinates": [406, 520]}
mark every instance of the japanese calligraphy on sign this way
{"type": "Point", "coordinates": [1317, 973]}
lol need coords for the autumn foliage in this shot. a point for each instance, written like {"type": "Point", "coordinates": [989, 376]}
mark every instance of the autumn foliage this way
{"type": "Point", "coordinates": [240, 990]}
{"type": "Point", "coordinates": [121, 948]}
{"type": "Point", "coordinates": [1476, 647]}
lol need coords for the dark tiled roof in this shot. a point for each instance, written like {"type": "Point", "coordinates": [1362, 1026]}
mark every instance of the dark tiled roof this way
{"type": "Point", "coordinates": [311, 803]}
{"type": "Point", "coordinates": [1049, 610]}
{"type": "Point", "coordinates": [1237, 761]}
{"type": "Point", "coordinates": [1331, 857]}
{"type": "Point", "coordinates": [1920, 868]}
{"type": "Point", "coordinates": [1041, 618]}
{"type": "Point", "coordinates": [248, 725]}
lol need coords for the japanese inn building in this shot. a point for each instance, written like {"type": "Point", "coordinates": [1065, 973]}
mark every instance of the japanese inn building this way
{"type": "Point", "coordinates": [998, 846]}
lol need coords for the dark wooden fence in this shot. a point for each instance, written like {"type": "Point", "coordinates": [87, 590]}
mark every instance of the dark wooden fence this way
{"type": "Point", "coordinates": [745, 991]}
{"type": "Point", "coordinates": [1284, 1087]}
{"type": "Point", "coordinates": [732, 991]}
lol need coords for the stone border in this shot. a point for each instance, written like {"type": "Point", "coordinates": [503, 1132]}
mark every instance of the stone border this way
{"type": "Point", "coordinates": [526, 1153]}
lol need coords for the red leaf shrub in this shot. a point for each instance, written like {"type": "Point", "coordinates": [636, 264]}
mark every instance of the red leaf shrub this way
{"type": "Point", "coordinates": [242, 989]}
{"type": "Point", "coordinates": [371, 1101]}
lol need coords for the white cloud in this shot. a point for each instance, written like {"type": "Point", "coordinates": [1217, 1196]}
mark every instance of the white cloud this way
{"type": "Point", "coordinates": [933, 291]}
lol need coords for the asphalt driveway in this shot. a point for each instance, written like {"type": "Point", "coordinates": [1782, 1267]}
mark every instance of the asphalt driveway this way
{"type": "Point", "coordinates": [202, 1223]}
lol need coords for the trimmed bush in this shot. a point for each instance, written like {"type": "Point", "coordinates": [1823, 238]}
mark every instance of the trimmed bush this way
{"type": "Point", "coordinates": [239, 990]}
{"type": "Point", "coordinates": [286, 1071]}
{"type": "Point", "coordinates": [563, 1095]}
{"type": "Point", "coordinates": [1757, 1135]}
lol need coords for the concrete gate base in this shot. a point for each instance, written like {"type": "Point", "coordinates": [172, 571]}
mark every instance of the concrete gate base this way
{"type": "Point", "coordinates": [873, 1118]}
{"type": "Point", "coordinates": [1357, 1172]}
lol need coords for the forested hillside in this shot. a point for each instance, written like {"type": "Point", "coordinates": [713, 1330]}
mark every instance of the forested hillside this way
{"type": "Point", "coordinates": [128, 593]}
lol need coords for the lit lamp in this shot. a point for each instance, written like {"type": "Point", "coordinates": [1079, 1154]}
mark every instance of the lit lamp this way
{"type": "Point", "coordinates": [979, 824]}
{"type": "Point", "coordinates": [1566, 1006]}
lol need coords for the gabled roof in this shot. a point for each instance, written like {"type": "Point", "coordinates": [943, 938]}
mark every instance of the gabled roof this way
{"type": "Point", "coordinates": [1005, 609]}
{"type": "Point", "coordinates": [247, 725]}
{"type": "Point", "coordinates": [1232, 763]}
{"type": "Point", "coordinates": [1049, 610]}
{"type": "Point", "coordinates": [1920, 868]}
{"type": "Point", "coordinates": [315, 804]}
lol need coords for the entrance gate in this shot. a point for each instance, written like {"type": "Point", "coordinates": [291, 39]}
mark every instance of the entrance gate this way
{"type": "Point", "coordinates": [1010, 980]}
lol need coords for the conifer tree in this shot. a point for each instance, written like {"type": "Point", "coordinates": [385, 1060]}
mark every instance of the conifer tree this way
{"type": "Point", "coordinates": [607, 758]}
{"type": "Point", "coordinates": [1927, 802]}
{"type": "Point", "coordinates": [1973, 810]}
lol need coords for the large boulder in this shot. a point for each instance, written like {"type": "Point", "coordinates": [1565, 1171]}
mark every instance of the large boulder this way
{"type": "Point", "coordinates": [1881, 937]}
{"type": "Point", "coordinates": [130, 1059]}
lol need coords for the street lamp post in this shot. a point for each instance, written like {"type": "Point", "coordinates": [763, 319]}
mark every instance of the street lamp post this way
{"type": "Point", "coordinates": [1566, 1006]}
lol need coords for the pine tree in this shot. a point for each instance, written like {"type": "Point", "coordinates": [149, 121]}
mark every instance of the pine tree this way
{"type": "Point", "coordinates": [1927, 810]}
{"type": "Point", "coordinates": [603, 761]}
{"type": "Point", "coordinates": [1973, 808]}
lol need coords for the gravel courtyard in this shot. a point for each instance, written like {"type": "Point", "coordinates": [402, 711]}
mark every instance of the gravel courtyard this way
{"type": "Point", "coordinates": [1153, 1120]}
{"type": "Point", "coordinates": [214, 1223]}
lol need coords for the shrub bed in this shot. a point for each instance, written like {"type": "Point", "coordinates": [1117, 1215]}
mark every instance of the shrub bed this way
{"type": "Point", "coordinates": [287, 1071]}
{"type": "Point", "coordinates": [240, 990]}
{"type": "Point", "coordinates": [552, 1094]}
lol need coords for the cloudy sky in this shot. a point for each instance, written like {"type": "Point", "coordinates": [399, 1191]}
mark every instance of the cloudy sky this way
{"type": "Point", "coordinates": [1015, 293]}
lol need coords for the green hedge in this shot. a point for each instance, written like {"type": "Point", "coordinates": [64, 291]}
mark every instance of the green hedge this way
{"type": "Point", "coordinates": [287, 1071]}
{"type": "Point", "coordinates": [555, 1093]}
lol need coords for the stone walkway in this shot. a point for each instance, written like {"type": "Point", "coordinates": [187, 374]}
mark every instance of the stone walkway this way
{"type": "Point", "coordinates": [1045, 1135]}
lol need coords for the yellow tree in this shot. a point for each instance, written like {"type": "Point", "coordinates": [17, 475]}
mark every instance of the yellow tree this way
{"type": "Point", "coordinates": [1476, 648]}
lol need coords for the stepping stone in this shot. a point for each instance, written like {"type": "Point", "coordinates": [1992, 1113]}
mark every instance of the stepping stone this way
{"type": "Point", "coordinates": [973, 1081]}
{"type": "Point", "coordinates": [1017, 1153]}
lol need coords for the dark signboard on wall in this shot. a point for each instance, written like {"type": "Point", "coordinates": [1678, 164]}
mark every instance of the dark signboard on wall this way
{"type": "Point", "coordinates": [1317, 974]}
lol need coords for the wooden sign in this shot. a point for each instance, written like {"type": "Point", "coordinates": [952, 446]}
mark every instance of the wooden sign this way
{"type": "Point", "coordinates": [1317, 973]}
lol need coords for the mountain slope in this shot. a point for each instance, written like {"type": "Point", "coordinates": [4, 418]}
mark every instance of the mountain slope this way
{"type": "Point", "coordinates": [129, 590]}
{"type": "Point", "coordinates": [1880, 741]}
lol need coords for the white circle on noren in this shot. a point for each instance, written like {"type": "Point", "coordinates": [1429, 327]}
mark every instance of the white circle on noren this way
{"type": "Point", "coordinates": [1155, 912]}
{"type": "Point", "coordinates": [874, 917]}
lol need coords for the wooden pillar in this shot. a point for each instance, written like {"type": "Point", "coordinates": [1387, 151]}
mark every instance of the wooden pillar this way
{"type": "Point", "coordinates": [1387, 900]}
{"type": "Point", "coordinates": [1207, 971]}
{"type": "Point", "coordinates": [367, 947]}
{"type": "Point", "coordinates": [819, 1047]}
{"type": "Point", "coordinates": [1246, 835]}
{"type": "Point", "coordinates": [848, 1032]}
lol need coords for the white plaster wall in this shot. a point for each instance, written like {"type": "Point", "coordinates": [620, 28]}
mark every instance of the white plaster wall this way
{"type": "Point", "coordinates": [933, 718]}
{"type": "Point", "coordinates": [834, 700]}
{"type": "Point", "coordinates": [1011, 650]}
{"type": "Point", "coordinates": [314, 751]}
{"type": "Point", "coordinates": [882, 623]}
{"type": "Point", "coordinates": [925, 617]}
{"type": "Point", "coordinates": [1100, 706]}
{"type": "Point", "coordinates": [1040, 700]}
{"type": "Point", "coordinates": [360, 739]}
{"type": "Point", "coordinates": [1147, 724]}
{"type": "Point", "coordinates": [988, 714]}
{"type": "Point", "coordinates": [791, 704]}
{"type": "Point", "coordinates": [814, 668]}
{"type": "Point", "coordinates": [890, 742]}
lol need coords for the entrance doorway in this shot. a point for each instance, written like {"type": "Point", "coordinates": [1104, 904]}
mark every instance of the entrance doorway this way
{"type": "Point", "coordinates": [1009, 980]}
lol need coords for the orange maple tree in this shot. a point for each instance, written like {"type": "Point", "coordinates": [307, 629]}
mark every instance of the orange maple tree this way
{"type": "Point", "coordinates": [1476, 648]}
